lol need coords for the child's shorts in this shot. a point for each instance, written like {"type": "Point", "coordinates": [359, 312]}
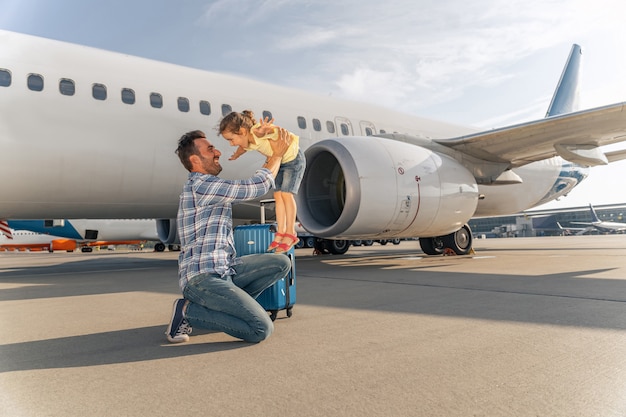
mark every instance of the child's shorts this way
{"type": "Point", "coordinates": [290, 175]}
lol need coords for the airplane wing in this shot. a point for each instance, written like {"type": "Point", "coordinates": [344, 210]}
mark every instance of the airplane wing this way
{"type": "Point", "coordinates": [575, 137]}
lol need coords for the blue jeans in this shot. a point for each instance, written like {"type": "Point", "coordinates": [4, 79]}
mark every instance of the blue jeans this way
{"type": "Point", "coordinates": [228, 304]}
{"type": "Point", "coordinates": [290, 175]}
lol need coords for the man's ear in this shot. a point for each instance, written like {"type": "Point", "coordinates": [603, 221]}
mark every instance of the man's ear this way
{"type": "Point", "coordinates": [195, 161]}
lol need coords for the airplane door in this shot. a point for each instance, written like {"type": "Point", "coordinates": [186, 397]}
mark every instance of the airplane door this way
{"type": "Point", "coordinates": [367, 128]}
{"type": "Point", "coordinates": [344, 127]}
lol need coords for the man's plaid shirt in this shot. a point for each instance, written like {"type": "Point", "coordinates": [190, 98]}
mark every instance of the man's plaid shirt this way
{"type": "Point", "coordinates": [205, 224]}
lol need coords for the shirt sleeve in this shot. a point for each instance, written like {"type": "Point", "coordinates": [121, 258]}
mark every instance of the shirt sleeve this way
{"type": "Point", "coordinates": [209, 189]}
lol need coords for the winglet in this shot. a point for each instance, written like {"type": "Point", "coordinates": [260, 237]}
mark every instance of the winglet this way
{"type": "Point", "coordinates": [565, 99]}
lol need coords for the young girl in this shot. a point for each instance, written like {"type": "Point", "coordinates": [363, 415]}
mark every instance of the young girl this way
{"type": "Point", "coordinates": [241, 130]}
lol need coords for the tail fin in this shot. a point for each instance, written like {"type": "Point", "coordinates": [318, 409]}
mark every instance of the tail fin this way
{"type": "Point", "coordinates": [565, 99]}
{"type": "Point", "coordinates": [5, 229]}
{"type": "Point", "coordinates": [594, 216]}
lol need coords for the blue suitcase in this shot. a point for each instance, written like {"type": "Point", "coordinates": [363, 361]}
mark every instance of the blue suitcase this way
{"type": "Point", "coordinates": [255, 238]}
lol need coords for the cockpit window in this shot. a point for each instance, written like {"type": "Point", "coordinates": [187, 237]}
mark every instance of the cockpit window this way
{"type": "Point", "coordinates": [35, 82]}
{"type": "Point", "coordinates": [5, 78]}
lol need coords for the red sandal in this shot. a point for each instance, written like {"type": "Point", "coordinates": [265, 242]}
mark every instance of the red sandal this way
{"type": "Point", "coordinates": [275, 243]}
{"type": "Point", "coordinates": [285, 247]}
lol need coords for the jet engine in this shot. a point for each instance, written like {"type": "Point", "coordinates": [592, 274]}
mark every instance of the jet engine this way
{"type": "Point", "coordinates": [371, 187]}
{"type": "Point", "coordinates": [168, 234]}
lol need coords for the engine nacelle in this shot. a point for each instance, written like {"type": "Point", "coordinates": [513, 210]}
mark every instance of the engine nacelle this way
{"type": "Point", "coordinates": [167, 231]}
{"type": "Point", "coordinates": [359, 187]}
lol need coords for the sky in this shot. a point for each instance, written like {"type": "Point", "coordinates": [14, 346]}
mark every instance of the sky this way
{"type": "Point", "coordinates": [484, 63]}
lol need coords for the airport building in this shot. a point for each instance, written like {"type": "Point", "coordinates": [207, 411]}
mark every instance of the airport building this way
{"type": "Point", "coordinates": [545, 222]}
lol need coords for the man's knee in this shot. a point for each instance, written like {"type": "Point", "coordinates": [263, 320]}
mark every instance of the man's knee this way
{"type": "Point", "coordinates": [265, 330]}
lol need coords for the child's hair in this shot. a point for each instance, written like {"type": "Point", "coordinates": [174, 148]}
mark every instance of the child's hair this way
{"type": "Point", "coordinates": [234, 121]}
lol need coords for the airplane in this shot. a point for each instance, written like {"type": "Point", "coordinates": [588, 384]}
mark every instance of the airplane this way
{"type": "Point", "coordinates": [602, 226]}
{"type": "Point", "coordinates": [88, 133]}
{"type": "Point", "coordinates": [89, 233]}
{"type": "Point", "coordinates": [25, 240]}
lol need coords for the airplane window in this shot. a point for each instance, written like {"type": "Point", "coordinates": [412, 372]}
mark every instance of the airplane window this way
{"type": "Point", "coordinates": [99, 91]}
{"type": "Point", "coordinates": [67, 87]}
{"type": "Point", "coordinates": [156, 100]}
{"type": "Point", "coordinates": [368, 131]}
{"type": "Point", "coordinates": [330, 126]}
{"type": "Point", "coordinates": [205, 107]}
{"type": "Point", "coordinates": [5, 78]}
{"type": "Point", "coordinates": [344, 129]}
{"type": "Point", "coordinates": [301, 122]}
{"type": "Point", "coordinates": [35, 82]}
{"type": "Point", "coordinates": [317, 125]}
{"type": "Point", "coordinates": [267, 115]}
{"type": "Point", "coordinates": [128, 96]}
{"type": "Point", "coordinates": [226, 108]}
{"type": "Point", "coordinates": [183, 104]}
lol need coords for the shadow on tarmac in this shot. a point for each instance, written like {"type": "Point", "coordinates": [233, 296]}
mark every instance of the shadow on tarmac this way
{"type": "Point", "coordinates": [395, 283]}
{"type": "Point", "coordinates": [123, 346]}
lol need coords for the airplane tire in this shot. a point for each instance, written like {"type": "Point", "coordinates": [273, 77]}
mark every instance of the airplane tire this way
{"type": "Point", "coordinates": [460, 241]}
{"type": "Point", "coordinates": [159, 247]}
{"type": "Point", "coordinates": [338, 247]}
{"type": "Point", "coordinates": [432, 245]}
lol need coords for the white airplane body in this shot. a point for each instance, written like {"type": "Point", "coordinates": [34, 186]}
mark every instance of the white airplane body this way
{"type": "Point", "coordinates": [82, 155]}
{"type": "Point", "coordinates": [84, 233]}
{"type": "Point", "coordinates": [92, 229]}
{"type": "Point", "coordinates": [23, 240]}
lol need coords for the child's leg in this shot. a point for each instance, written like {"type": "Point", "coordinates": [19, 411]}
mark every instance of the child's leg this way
{"type": "Point", "coordinates": [290, 238]}
{"type": "Point", "coordinates": [280, 221]}
{"type": "Point", "coordinates": [289, 202]}
{"type": "Point", "coordinates": [280, 212]}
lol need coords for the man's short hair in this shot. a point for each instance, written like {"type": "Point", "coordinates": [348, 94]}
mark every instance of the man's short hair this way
{"type": "Point", "coordinates": [187, 147]}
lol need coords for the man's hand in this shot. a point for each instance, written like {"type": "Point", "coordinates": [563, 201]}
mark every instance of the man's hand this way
{"type": "Point", "coordinates": [279, 147]}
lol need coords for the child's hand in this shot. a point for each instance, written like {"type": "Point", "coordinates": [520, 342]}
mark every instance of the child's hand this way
{"type": "Point", "coordinates": [240, 151]}
{"type": "Point", "coordinates": [265, 128]}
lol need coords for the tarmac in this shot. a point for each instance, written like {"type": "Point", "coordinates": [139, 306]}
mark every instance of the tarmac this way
{"type": "Point", "coordinates": [523, 327]}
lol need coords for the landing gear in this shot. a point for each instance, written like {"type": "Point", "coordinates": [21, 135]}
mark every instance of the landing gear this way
{"type": "Point", "coordinates": [336, 247]}
{"type": "Point", "coordinates": [460, 242]}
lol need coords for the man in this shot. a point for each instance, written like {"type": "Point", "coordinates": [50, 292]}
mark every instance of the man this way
{"type": "Point", "coordinates": [219, 288]}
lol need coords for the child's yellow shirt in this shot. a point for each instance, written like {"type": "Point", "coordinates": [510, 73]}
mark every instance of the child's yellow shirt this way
{"type": "Point", "coordinates": [262, 145]}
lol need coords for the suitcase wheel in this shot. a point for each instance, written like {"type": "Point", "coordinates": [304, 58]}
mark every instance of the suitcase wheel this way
{"type": "Point", "coordinates": [273, 314]}
{"type": "Point", "coordinates": [289, 312]}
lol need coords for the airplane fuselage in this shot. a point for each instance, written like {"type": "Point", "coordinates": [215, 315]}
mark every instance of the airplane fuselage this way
{"type": "Point", "coordinates": [87, 133]}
